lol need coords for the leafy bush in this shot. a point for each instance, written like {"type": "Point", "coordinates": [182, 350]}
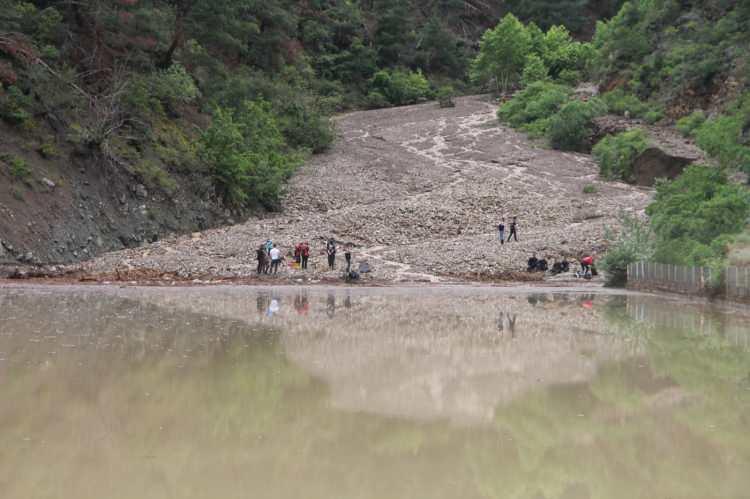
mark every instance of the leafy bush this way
{"type": "Point", "coordinates": [247, 155]}
{"type": "Point", "coordinates": [633, 243]}
{"type": "Point", "coordinates": [445, 96]}
{"type": "Point", "coordinates": [19, 169]}
{"type": "Point", "coordinates": [696, 216]}
{"type": "Point", "coordinates": [589, 189]}
{"type": "Point", "coordinates": [725, 138]}
{"type": "Point", "coordinates": [15, 106]}
{"type": "Point", "coordinates": [623, 104]}
{"type": "Point", "coordinates": [570, 77]}
{"type": "Point", "coordinates": [688, 125]}
{"type": "Point", "coordinates": [532, 108]}
{"type": "Point", "coordinates": [400, 86]}
{"type": "Point", "coordinates": [155, 177]}
{"type": "Point", "coordinates": [617, 153]}
{"type": "Point", "coordinates": [570, 129]}
{"type": "Point", "coordinates": [149, 94]}
{"type": "Point", "coordinates": [534, 70]}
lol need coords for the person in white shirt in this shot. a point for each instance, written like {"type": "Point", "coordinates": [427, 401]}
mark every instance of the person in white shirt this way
{"type": "Point", "coordinates": [275, 259]}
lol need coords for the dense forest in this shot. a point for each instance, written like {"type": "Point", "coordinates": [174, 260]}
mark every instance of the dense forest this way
{"type": "Point", "coordinates": [223, 99]}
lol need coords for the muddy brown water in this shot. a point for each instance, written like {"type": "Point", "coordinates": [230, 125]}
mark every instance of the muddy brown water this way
{"type": "Point", "coordinates": [370, 393]}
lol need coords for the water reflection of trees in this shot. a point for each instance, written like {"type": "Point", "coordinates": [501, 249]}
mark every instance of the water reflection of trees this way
{"type": "Point", "coordinates": [156, 401]}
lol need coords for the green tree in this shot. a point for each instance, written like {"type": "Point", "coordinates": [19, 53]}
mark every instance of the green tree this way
{"type": "Point", "coordinates": [696, 216]}
{"type": "Point", "coordinates": [502, 54]}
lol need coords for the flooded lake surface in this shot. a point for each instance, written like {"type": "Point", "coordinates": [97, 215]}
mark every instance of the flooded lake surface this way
{"type": "Point", "coordinates": [370, 393]}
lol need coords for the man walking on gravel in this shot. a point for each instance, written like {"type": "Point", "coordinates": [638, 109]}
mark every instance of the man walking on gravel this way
{"type": "Point", "coordinates": [262, 256]}
{"type": "Point", "coordinates": [513, 229]}
{"type": "Point", "coordinates": [501, 229]}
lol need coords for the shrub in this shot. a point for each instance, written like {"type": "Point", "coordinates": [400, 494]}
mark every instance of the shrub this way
{"type": "Point", "coordinates": [15, 106]}
{"type": "Point", "coordinates": [589, 189]}
{"type": "Point", "coordinates": [532, 108]}
{"type": "Point", "coordinates": [48, 150]}
{"type": "Point", "coordinates": [445, 96]}
{"type": "Point", "coordinates": [571, 128]}
{"type": "Point", "coordinates": [149, 94]}
{"type": "Point", "coordinates": [155, 177]}
{"type": "Point", "coordinates": [617, 153]}
{"type": "Point", "coordinates": [534, 70]}
{"type": "Point", "coordinates": [376, 100]}
{"type": "Point", "coordinates": [502, 54]}
{"type": "Point", "coordinates": [19, 169]}
{"type": "Point", "coordinates": [723, 137]}
{"type": "Point", "coordinates": [688, 125]}
{"type": "Point", "coordinates": [696, 217]}
{"type": "Point", "coordinates": [633, 243]}
{"type": "Point", "coordinates": [652, 117]}
{"type": "Point", "coordinates": [247, 155]}
{"type": "Point", "coordinates": [619, 102]}
{"type": "Point", "coordinates": [400, 86]}
{"type": "Point", "coordinates": [570, 77]}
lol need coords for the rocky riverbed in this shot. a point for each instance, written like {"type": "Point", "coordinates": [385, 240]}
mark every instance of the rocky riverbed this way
{"type": "Point", "coordinates": [419, 192]}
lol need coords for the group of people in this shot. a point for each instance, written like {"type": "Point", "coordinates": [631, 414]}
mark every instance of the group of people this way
{"type": "Point", "coordinates": [513, 230]}
{"type": "Point", "coordinates": [587, 271]}
{"type": "Point", "coordinates": [270, 257]}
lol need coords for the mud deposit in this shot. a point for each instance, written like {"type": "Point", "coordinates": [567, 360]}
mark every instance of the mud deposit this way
{"type": "Point", "coordinates": [419, 191]}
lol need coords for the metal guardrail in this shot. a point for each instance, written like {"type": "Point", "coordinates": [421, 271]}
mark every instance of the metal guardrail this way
{"type": "Point", "coordinates": [735, 281]}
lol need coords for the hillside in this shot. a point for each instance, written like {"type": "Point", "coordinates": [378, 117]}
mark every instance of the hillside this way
{"type": "Point", "coordinates": [419, 191]}
{"type": "Point", "coordinates": [126, 121]}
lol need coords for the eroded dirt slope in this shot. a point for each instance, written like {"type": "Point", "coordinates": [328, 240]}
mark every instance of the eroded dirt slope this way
{"type": "Point", "coordinates": [419, 190]}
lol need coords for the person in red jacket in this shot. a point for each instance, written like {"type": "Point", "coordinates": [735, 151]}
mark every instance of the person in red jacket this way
{"type": "Point", "coordinates": [587, 262]}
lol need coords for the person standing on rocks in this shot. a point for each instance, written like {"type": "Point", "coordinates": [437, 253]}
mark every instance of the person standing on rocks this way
{"type": "Point", "coordinates": [275, 259]}
{"type": "Point", "coordinates": [501, 229]}
{"type": "Point", "coordinates": [331, 252]}
{"type": "Point", "coordinates": [513, 229]}
{"type": "Point", "coordinates": [262, 257]}
{"type": "Point", "coordinates": [348, 257]}
{"type": "Point", "coordinates": [305, 254]}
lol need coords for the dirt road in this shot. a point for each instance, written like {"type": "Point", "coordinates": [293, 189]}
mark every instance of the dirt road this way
{"type": "Point", "coordinates": [419, 191]}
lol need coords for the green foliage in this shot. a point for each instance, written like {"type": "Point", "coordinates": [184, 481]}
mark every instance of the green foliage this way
{"type": "Point", "coordinates": [247, 155]}
{"type": "Point", "coordinates": [634, 242]}
{"type": "Point", "coordinates": [401, 87]}
{"type": "Point", "coordinates": [533, 108]}
{"type": "Point", "coordinates": [589, 189]}
{"type": "Point", "coordinates": [48, 150]}
{"type": "Point", "coordinates": [19, 169]}
{"type": "Point", "coordinates": [622, 103]}
{"type": "Point", "coordinates": [150, 94]}
{"type": "Point", "coordinates": [445, 95]}
{"type": "Point", "coordinates": [617, 153]}
{"type": "Point", "coordinates": [688, 125]}
{"type": "Point", "coordinates": [726, 137]}
{"type": "Point", "coordinates": [570, 129]}
{"type": "Point", "coordinates": [534, 70]}
{"type": "Point", "coordinates": [696, 217]}
{"type": "Point", "coordinates": [155, 177]}
{"type": "Point", "coordinates": [502, 54]}
{"type": "Point", "coordinates": [15, 106]}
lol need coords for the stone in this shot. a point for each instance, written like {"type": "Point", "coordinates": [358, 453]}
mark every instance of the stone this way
{"type": "Point", "coordinates": [49, 183]}
{"type": "Point", "coordinates": [141, 192]}
{"type": "Point", "coordinates": [654, 163]}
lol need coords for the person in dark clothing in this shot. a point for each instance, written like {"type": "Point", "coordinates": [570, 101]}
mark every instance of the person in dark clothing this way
{"type": "Point", "coordinates": [501, 231]}
{"type": "Point", "coordinates": [542, 265]}
{"type": "Point", "coordinates": [262, 256]}
{"type": "Point", "coordinates": [513, 230]}
{"type": "Point", "coordinates": [305, 254]}
{"type": "Point", "coordinates": [532, 263]}
{"type": "Point", "coordinates": [331, 252]}
{"type": "Point", "coordinates": [348, 257]}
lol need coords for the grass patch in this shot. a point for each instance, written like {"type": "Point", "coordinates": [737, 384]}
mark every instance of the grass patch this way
{"type": "Point", "coordinates": [617, 153]}
{"type": "Point", "coordinates": [589, 189]}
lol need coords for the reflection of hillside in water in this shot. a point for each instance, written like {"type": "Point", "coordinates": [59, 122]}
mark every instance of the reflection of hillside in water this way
{"type": "Point", "coordinates": [431, 355]}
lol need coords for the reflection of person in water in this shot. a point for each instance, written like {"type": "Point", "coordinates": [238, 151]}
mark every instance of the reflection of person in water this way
{"type": "Point", "coordinates": [262, 301]}
{"type": "Point", "coordinates": [501, 322]}
{"type": "Point", "coordinates": [348, 301]}
{"type": "Point", "coordinates": [274, 306]}
{"type": "Point", "coordinates": [302, 303]}
{"type": "Point", "coordinates": [512, 325]}
{"type": "Point", "coordinates": [331, 305]}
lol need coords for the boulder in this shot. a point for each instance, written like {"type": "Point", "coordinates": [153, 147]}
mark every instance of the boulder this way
{"type": "Point", "coordinates": [654, 163]}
